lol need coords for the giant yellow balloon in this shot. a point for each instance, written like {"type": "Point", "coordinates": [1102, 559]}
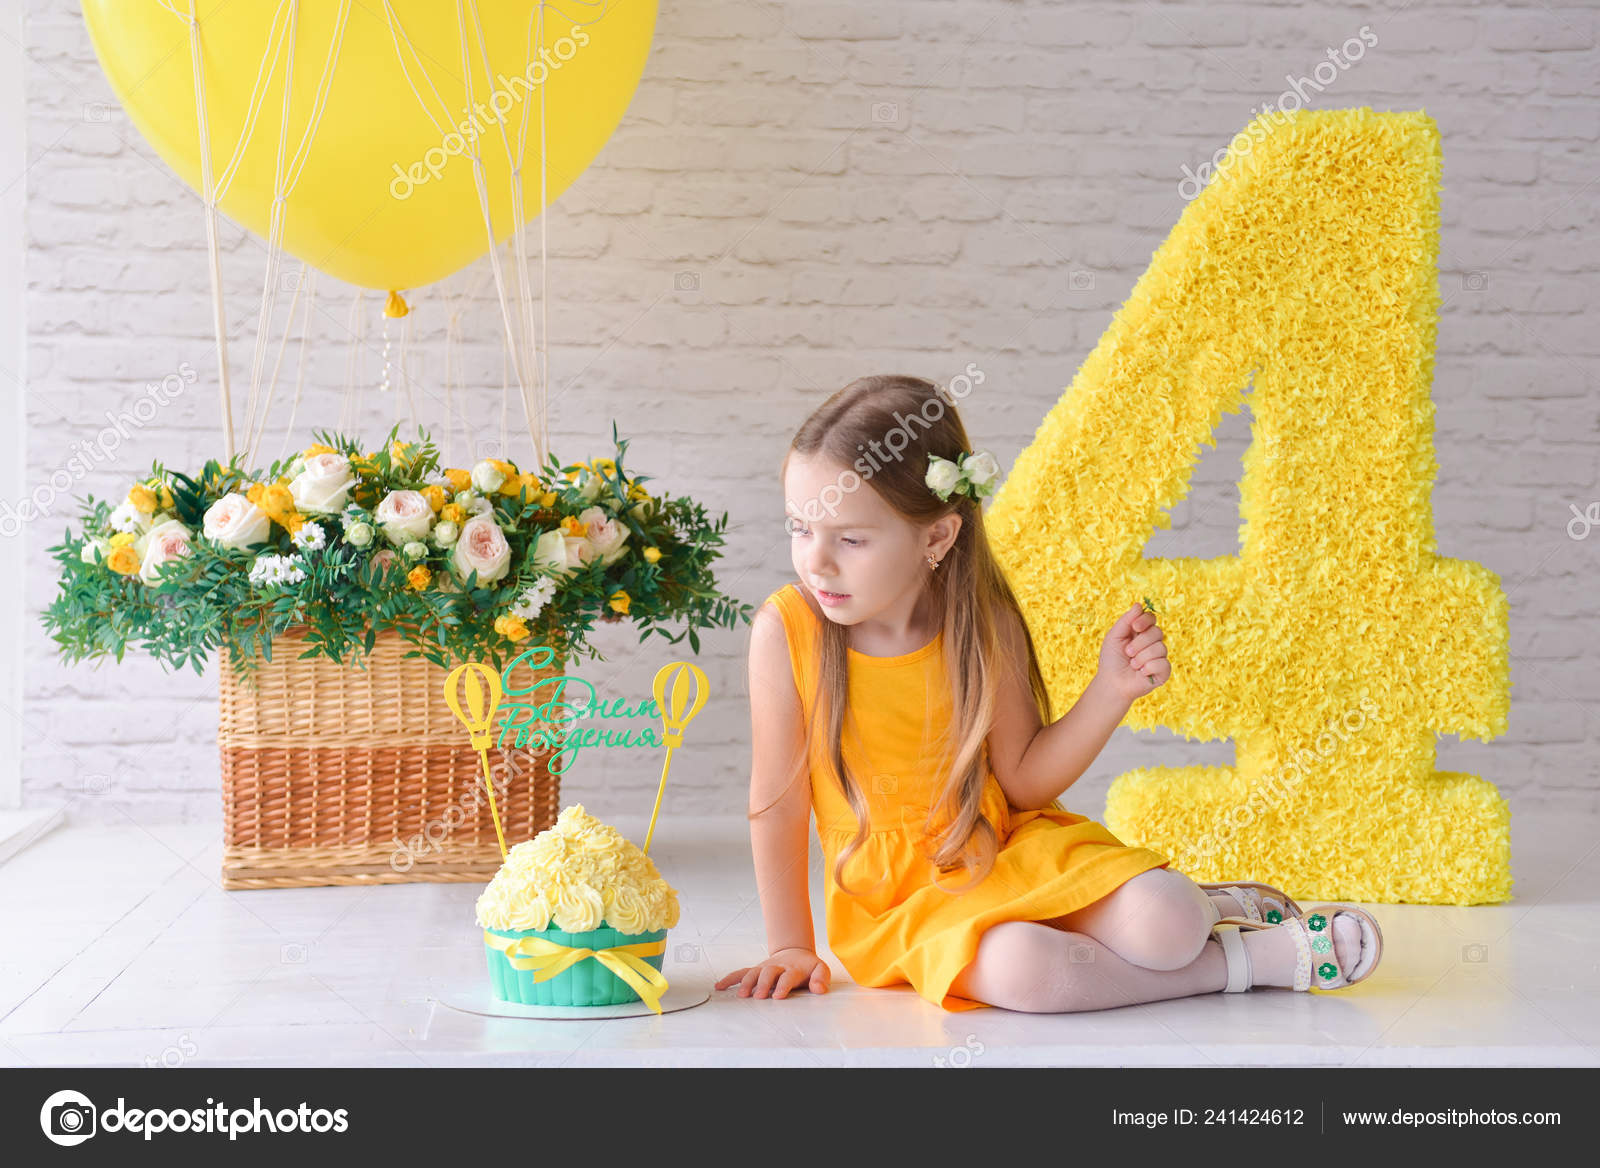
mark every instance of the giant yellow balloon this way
{"type": "Point", "coordinates": [385, 195]}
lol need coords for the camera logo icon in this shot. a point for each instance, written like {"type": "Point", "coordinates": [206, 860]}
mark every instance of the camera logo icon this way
{"type": "Point", "coordinates": [68, 1118]}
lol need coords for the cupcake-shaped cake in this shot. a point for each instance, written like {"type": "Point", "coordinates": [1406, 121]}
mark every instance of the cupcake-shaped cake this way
{"type": "Point", "coordinates": [577, 916]}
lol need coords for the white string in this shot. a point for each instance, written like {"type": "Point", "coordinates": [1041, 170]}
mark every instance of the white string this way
{"type": "Point", "coordinates": [454, 306]}
{"type": "Point", "coordinates": [269, 286]}
{"type": "Point", "coordinates": [319, 103]}
{"type": "Point", "coordinates": [208, 194]}
{"type": "Point", "coordinates": [397, 32]}
{"type": "Point", "coordinates": [405, 380]}
{"type": "Point", "coordinates": [283, 341]}
{"type": "Point", "coordinates": [257, 96]}
{"type": "Point", "coordinates": [352, 325]}
{"type": "Point", "coordinates": [524, 343]}
{"type": "Point", "coordinates": [300, 378]}
{"type": "Point", "coordinates": [481, 182]}
{"type": "Point", "coordinates": [283, 187]}
{"type": "Point", "coordinates": [361, 363]}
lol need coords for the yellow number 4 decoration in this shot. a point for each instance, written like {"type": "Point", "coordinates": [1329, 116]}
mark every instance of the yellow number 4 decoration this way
{"type": "Point", "coordinates": [1337, 644]}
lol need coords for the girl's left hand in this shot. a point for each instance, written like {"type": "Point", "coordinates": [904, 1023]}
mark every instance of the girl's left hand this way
{"type": "Point", "coordinates": [1133, 658]}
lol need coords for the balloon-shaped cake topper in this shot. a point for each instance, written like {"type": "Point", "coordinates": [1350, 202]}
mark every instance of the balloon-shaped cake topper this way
{"type": "Point", "coordinates": [676, 713]}
{"type": "Point", "coordinates": [482, 701]}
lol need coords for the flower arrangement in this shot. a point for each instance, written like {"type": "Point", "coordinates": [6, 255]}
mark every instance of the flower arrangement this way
{"type": "Point", "coordinates": [466, 564]}
{"type": "Point", "coordinates": [976, 474]}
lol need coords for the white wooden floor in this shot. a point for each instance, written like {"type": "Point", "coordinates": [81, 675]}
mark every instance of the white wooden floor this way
{"type": "Point", "coordinates": [120, 949]}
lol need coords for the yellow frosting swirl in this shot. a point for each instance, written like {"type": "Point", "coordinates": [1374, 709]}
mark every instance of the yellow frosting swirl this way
{"type": "Point", "coordinates": [575, 876]}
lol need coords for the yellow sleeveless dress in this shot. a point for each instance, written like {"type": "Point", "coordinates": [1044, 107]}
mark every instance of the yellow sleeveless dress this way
{"type": "Point", "coordinates": [901, 928]}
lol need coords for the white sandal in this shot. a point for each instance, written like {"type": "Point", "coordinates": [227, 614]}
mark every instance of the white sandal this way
{"type": "Point", "coordinates": [1265, 892]}
{"type": "Point", "coordinates": [1313, 939]}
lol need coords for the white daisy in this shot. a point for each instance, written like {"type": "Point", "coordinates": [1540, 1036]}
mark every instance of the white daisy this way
{"type": "Point", "coordinates": [126, 517]}
{"type": "Point", "coordinates": [533, 600]}
{"type": "Point", "coordinates": [311, 537]}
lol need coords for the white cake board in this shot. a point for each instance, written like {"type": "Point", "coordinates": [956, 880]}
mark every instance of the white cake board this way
{"type": "Point", "coordinates": [687, 987]}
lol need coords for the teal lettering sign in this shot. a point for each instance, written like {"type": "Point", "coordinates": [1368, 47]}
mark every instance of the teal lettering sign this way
{"type": "Point", "coordinates": [544, 714]}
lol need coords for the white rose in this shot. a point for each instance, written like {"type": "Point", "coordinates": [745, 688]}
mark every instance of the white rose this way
{"type": "Point", "coordinates": [589, 486]}
{"type": "Point", "coordinates": [234, 521]}
{"type": "Point", "coordinates": [481, 548]}
{"type": "Point", "coordinates": [982, 470]}
{"type": "Point", "coordinates": [942, 476]}
{"type": "Point", "coordinates": [561, 553]}
{"type": "Point", "coordinates": [94, 550]}
{"type": "Point", "coordinates": [404, 516]}
{"type": "Point", "coordinates": [167, 542]}
{"type": "Point", "coordinates": [360, 534]}
{"type": "Point", "coordinates": [324, 485]}
{"type": "Point", "coordinates": [415, 550]}
{"type": "Point", "coordinates": [487, 477]}
{"type": "Point", "coordinates": [473, 503]}
{"type": "Point", "coordinates": [609, 537]}
{"type": "Point", "coordinates": [445, 533]}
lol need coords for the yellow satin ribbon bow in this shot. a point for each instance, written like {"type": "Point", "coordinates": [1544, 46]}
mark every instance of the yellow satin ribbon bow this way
{"type": "Point", "coordinates": [548, 958]}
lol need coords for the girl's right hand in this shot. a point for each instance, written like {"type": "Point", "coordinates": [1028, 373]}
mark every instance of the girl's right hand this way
{"type": "Point", "coordinates": [789, 968]}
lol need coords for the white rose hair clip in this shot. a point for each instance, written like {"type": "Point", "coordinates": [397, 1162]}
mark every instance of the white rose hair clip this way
{"type": "Point", "coordinates": [975, 474]}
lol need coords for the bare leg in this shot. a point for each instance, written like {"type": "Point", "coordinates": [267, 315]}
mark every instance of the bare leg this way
{"type": "Point", "coordinates": [1025, 965]}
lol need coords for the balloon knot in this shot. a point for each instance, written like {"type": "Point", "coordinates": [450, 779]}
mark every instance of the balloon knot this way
{"type": "Point", "coordinates": [395, 305]}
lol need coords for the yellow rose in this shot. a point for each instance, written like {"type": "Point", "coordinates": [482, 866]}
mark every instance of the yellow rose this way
{"type": "Point", "coordinates": [609, 465]}
{"type": "Point", "coordinates": [418, 577]}
{"type": "Point", "coordinates": [435, 497]}
{"type": "Point", "coordinates": [572, 525]}
{"type": "Point", "coordinates": [453, 513]}
{"type": "Point", "coordinates": [166, 497]}
{"type": "Point", "coordinates": [460, 480]}
{"type": "Point", "coordinates": [513, 628]}
{"type": "Point", "coordinates": [279, 498]}
{"type": "Point", "coordinates": [619, 602]}
{"type": "Point", "coordinates": [548, 499]}
{"type": "Point", "coordinates": [315, 449]}
{"type": "Point", "coordinates": [293, 522]}
{"type": "Point", "coordinates": [652, 554]}
{"type": "Point", "coordinates": [256, 493]}
{"type": "Point", "coordinates": [144, 499]}
{"type": "Point", "coordinates": [123, 539]}
{"type": "Point", "coordinates": [124, 560]}
{"type": "Point", "coordinates": [516, 485]}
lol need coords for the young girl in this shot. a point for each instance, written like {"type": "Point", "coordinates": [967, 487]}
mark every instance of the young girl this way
{"type": "Point", "coordinates": [895, 690]}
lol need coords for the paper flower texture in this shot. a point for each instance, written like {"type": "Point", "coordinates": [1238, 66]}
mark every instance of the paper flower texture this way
{"type": "Point", "coordinates": [1337, 643]}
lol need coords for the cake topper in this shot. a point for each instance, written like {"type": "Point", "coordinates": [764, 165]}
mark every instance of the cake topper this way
{"type": "Point", "coordinates": [685, 676]}
{"type": "Point", "coordinates": [478, 719]}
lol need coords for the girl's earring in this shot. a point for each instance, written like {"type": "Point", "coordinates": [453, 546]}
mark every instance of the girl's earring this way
{"type": "Point", "coordinates": [932, 563]}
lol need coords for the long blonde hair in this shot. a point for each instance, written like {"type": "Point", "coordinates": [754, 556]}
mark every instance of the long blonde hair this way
{"type": "Point", "coordinates": [969, 590]}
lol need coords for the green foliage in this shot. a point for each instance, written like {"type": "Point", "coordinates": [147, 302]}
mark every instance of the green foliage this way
{"type": "Point", "coordinates": [345, 593]}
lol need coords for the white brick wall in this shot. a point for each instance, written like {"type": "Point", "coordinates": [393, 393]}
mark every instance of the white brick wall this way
{"type": "Point", "coordinates": [901, 186]}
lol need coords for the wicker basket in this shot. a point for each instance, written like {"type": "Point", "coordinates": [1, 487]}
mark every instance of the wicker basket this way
{"type": "Point", "coordinates": [332, 774]}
